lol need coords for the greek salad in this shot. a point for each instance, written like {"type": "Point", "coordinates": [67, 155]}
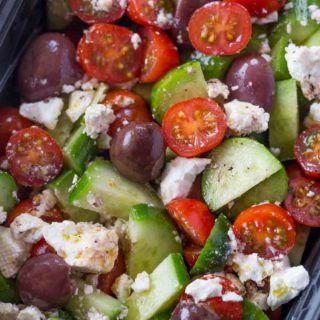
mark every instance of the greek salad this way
{"type": "Point", "coordinates": [163, 163]}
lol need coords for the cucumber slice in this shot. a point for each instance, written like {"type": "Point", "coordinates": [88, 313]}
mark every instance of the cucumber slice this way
{"type": "Point", "coordinates": [165, 315]}
{"type": "Point", "coordinates": [8, 194]}
{"type": "Point", "coordinates": [284, 119]}
{"type": "Point", "coordinates": [273, 189]}
{"type": "Point", "coordinates": [61, 187]}
{"type": "Point", "coordinates": [115, 194]}
{"type": "Point", "coordinates": [314, 40]}
{"type": "Point", "coordinates": [79, 150]}
{"type": "Point", "coordinates": [237, 161]}
{"type": "Point", "coordinates": [80, 304]}
{"type": "Point", "coordinates": [182, 83]}
{"type": "Point", "coordinates": [279, 63]}
{"type": "Point", "coordinates": [62, 316]}
{"type": "Point", "coordinates": [252, 312]}
{"type": "Point", "coordinates": [214, 255]}
{"type": "Point", "coordinates": [62, 131]}
{"type": "Point", "coordinates": [302, 235]}
{"type": "Point", "coordinates": [167, 283]}
{"type": "Point", "coordinates": [8, 292]}
{"type": "Point", "coordinates": [152, 238]}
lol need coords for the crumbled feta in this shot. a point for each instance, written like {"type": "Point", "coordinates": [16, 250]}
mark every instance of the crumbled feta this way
{"type": "Point", "coordinates": [102, 5]}
{"type": "Point", "coordinates": [79, 101]}
{"type": "Point", "coordinates": [286, 285]}
{"type": "Point", "coordinates": [141, 283]}
{"type": "Point", "coordinates": [27, 227]}
{"type": "Point", "coordinates": [266, 57]}
{"type": "Point", "coordinates": [270, 18]}
{"type": "Point", "coordinates": [315, 111]}
{"type": "Point", "coordinates": [44, 202]}
{"type": "Point", "coordinates": [88, 84]}
{"type": "Point", "coordinates": [3, 215]}
{"type": "Point", "coordinates": [275, 151]}
{"type": "Point", "coordinates": [93, 314]}
{"type": "Point", "coordinates": [256, 295]}
{"type": "Point", "coordinates": [31, 313]}
{"type": "Point", "coordinates": [310, 194]}
{"type": "Point", "coordinates": [288, 6]}
{"type": "Point", "coordinates": [233, 241]}
{"type": "Point", "coordinates": [44, 112]}
{"type": "Point", "coordinates": [303, 65]}
{"type": "Point", "coordinates": [265, 47]}
{"type": "Point", "coordinates": [136, 41]}
{"type": "Point", "coordinates": [68, 88]}
{"type": "Point", "coordinates": [164, 18]}
{"type": "Point", "coordinates": [217, 88]}
{"type": "Point", "coordinates": [98, 118]}
{"type": "Point", "coordinates": [8, 311]}
{"type": "Point", "coordinates": [85, 247]}
{"type": "Point", "coordinates": [244, 118]}
{"type": "Point", "coordinates": [88, 289]}
{"type": "Point", "coordinates": [122, 287]}
{"type": "Point", "coordinates": [178, 177]}
{"type": "Point", "coordinates": [4, 165]}
{"type": "Point", "coordinates": [314, 11]}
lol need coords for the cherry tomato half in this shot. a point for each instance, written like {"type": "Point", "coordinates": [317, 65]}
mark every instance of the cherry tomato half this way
{"type": "Point", "coordinates": [41, 247]}
{"type": "Point", "coordinates": [128, 107]}
{"type": "Point", "coordinates": [303, 201]}
{"type": "Point", "coordinates": [191, 253]}
{"type": "Point", "coordinates": [111, 53]}
{"type": "Point", "coordinates": [194, 126]}
{"type": "Point", "coordinates": [90, 14]}
{"type": "Point", "coordinates": [160, 54]}
{"type": "Point", "coordinates": [10, 122]}
{"type": "Point", "coordinates": [261, 8]}
{"type": "Point", "coordinates": [266, 229]}
{"type": "Point", "coordinates": [34, 157]}
{"type": "Point", "coordinates": [220, 28]}
{"type": "Point", "coordinates": [192, 217]}
{"type": "Point", "coordinates": [307, 151]}
{"type": "Point", "coordinates": [157, 13]}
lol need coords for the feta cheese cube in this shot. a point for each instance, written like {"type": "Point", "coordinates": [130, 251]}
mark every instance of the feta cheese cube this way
{"type": "Point", "coordinates": [79, 101]}
{"type": "Point", "coordinates": [122, 287]}
{"type": "Point", "coordinates": [85, 247]}
{"type": "Point", "coordinates": [8, 311]}
{"type": "Point", "coordinates": [3, 215]}
{"type": "Point", "coordinates": [314, 11]}
{"type": "Point", "coordinates": [178, 177]}
{"type": "Point", "coordinates": [31, 313]}
{"type": "Point", "coordinates": [141, 283]}
{"type": "Point", "coordinates": [217, 88]}
{"type": "Point", "coordinates": [44, 201]}
{"type": "Point", "coordinates": [44, 112]}
{"type": "Point", "coordinates": [270, 18]}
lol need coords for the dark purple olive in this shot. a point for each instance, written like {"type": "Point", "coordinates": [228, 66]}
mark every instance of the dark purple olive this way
{"type": "Point", "coordinates": [138, 151]}
{"type": "Point", "coordinates": [196, 189]}
{"type": "Point", "coordinates": [250, 79]}
{"type": "Point", "coordinates": [184, 11]}
{"type": "Point", "coordinates": [44, 281]}
{"type": "Point", "coordinates": [48, 64]}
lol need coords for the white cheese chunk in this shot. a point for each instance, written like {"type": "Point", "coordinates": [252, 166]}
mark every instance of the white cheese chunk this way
{"type": "Point", "coordinates": [44, 112]}
{"type": "Point", "coordinates": [178, 177]}
{"type": "Point", "coordinates": [8, 311]}
{"type": "Point", "coordinates": [122, 287]}
{"type": "Point", "coordinates": [44, 202]}
{"type": "Point", "coordinates": [270, 18]}
{"type": "Point", "coordinates": [79, 101]}
{"type": "Point", "coordinates": [102, 5]}
{"type": "Point", "coordinates": [31, 313]}
{"type": "Point", "coordinates": [217, 88]}
{"type": "Point", "coordinates": [141, 283]}
{"type": "Point", "coordinates": [244, 118]}
{"type": "Point", "coordinates": [3, 215]}
{"type": "Point", "coordinates": [314, 11]}
{"type": "Point", "coordinates": [85, 247]}
{"type": "Point", "coordinates": [136, 41]}
{"type": "Point", "coordinates": [164, 18]}
{"type": "Point", "coordinates": [286, 285]}
{"type": "Point", "coordinates": [93, 314]}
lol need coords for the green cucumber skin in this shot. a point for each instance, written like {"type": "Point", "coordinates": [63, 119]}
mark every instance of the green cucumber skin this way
{"type": "Point", "coordinates": [8, 292]}
{"type": "Point", "coordinates": [61, 133]}
{"type": "Point", "coordinates": [166, 315]}
{"type": "Point", "coordinates": [252, 312]}
{"type": "Point", "coordinates": [9, 189]}
{"type": "Point", "coordinates": [62, 316]}
{"type": "Point", "coordinates": [314, 40]}
{"type": "Point", "coordinates": [151, 239]}
{"type": "Point", "coordinates": [214, 255]}
{"type": "Point", "coordinates": [279, 62]}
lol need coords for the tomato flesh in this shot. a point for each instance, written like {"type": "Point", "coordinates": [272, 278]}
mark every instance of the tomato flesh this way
{"type": "Point", "coordinates": [220, 28]}
{"type": "Point", "coordinates": [191, 254]}
{"type": "Point", "coordinates": [160, 54]}
{"type": "Point", "coordinates": [41, 247]}
{"type": "Point", "coordinates": [34, 157]}
{"type": "Point", "coordinates": [193, 218]}
{"type": "Point", "coordinates": [194, 126]}
{"type": "Point", "coordinates": [266, 229]}
{"type": "Point", "coordinates": [107, 52]}
{"type": "Point", "coordinates": [307, 151]}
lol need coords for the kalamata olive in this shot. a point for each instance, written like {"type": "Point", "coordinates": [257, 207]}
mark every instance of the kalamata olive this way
{"type": "Point", "coordinates": [250, 79]}
{"type": "Point", "coordinates": [184, 11]}
{"type": "Point", "coordinates": [48, 64]}
{"type": "Point", "coordinates": [138, 151]}
{"type": "Point", "coordinates": [44, 281]}
{"type": "Point", "coordinates": [196, 189]}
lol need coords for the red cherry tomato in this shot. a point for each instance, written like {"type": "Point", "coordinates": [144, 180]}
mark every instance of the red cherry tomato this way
{"type": "Point", "coordinates": [266, 229]}
{"type": "Point", "coordinates": [191, 253]}
{"type": "Point", "coordinates": [303, 201]}
{"type": "Point", "coordinates": [28, 206]}
{"type": "Point", "coordinates": [192, 217]}
{"type": "Point", "coordinates": [160, 54]}
{"type": "Point", "coordinates": [88, 13]}
{"type": "Point", "coordinates": [41, 247]}
{"type": "Point", "coordinates": [10, 122]}
{"type": "Point", "coordinates": [194, 126]}
{"type": "Point", "coordinates": [261, 8]}
{"type": "Point", "coordinates": [128, 107]}
{"type": "Point", "coordinates": [157, 13]}
{"type": "Point", "coordinates": [110, 53]}
{"type": "Point", "coordinates": [294, 171]}
{"type": "Point", "coordinates": [307, 151]}
{"type": "Point", "coordinates": [220, 28]}
{"type": "Point", "coordinates": [34, 157]}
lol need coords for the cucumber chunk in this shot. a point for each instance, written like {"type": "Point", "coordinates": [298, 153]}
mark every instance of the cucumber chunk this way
{"type": "Point", "coordinates": [61, 187]}
{"type": "Point", "coordinates": [214, 255]}
{"type": "Point", "coordinates": [273, 189]}
{"type": "Point", "coordinates": [279, 63]}
{"type": "Point", "coordinates": [302, 235]}
{"type": "Point", "coordinates": [80, 304]}
{"type": "Point", "coordinates": [252, 312]}
{"type": "Point", "coordinates": [8, 292]}
{"type": "Point", "coordinates": [284, 119]}
{"type": "Point", "coordinates": [62, 316]}
{"type": "Point", "coordinates": [152, 237]}
{"type": "Point", "coordinates": [240, 162]}
{"type": "Point", "coordinates": [165, 315]}
{"type": "Point", "coordinates": [182, 83]}
{"type": "Point", "coordinates": [167, 282]}
{"type": "Point", "coordinates": [61, 133]}
{"type": "Point", "coordinates": [104, 190]}
{"type": "Point", "coordinates": [8, 194]}
{"type": "Point", "coordinates": [314, 40]}
{"type": "Point", "coordinates": [79, 150]}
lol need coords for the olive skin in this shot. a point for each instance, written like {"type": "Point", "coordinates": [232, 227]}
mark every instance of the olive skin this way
{"type": "Point", "coordinates": [43, 281]}
{"type": "Point", "coordinates": [48, 64]}
{"type": "Point", "coordinates": [138, 151]}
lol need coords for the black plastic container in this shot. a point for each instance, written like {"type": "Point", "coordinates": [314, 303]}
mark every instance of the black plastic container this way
{"type": "Point", "coordinates": [20, 22]}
